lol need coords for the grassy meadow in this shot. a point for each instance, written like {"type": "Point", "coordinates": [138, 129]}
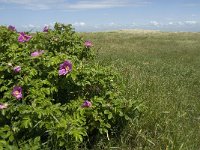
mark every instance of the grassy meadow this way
{"type": "Point", "coordinates": [162, 70]}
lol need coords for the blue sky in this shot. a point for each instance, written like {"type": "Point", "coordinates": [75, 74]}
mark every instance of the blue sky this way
{"type": "Point", "coordinates": [100, 15]}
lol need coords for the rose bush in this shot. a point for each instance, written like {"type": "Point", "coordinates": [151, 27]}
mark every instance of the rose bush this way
{"type": "Point", "coordinates": [53, 95]}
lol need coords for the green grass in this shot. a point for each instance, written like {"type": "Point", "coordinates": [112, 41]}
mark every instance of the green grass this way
{"type": "Point", "coordinates": [162, 70]}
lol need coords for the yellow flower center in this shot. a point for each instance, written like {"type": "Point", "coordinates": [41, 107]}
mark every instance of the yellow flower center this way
{"type": "Point", "coordinates": [67, 68]}
{"type": "Point", "coordinates": [16, 93]}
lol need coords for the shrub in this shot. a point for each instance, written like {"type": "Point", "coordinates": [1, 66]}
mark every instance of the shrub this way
{"type": "Point", "coordinates": [52, 92]}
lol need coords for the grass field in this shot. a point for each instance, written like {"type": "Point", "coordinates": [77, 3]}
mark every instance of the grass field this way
{"type": "Point", "coordinates": [162, 70]}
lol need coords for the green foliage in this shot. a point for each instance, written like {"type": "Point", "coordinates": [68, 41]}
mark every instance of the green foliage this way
{"type": "Point", "coordinates": [50, 114]}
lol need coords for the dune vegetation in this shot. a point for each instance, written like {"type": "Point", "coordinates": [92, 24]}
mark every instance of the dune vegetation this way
{"type": "Point", "coordinates": [127, 89]}
{"type": "Point", "coordinates": [162, 70]}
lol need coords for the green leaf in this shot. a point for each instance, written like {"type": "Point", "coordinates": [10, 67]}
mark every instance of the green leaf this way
{"type": "Point", "coordinates": [110, 116]}
{"type": "Point", "coordinates": [73, 75]}
{"type": "Point", "coordinates": [26, 123]}
{"type": "Point", "coordinates": [106, 112]}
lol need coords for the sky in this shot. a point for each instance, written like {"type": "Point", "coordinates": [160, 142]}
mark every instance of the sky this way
{"type": "Point", "coordinates": [102, 15]}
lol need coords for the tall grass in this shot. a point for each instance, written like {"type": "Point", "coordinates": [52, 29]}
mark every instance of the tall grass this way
{"type": "Point", "coordinates": [162, 70]}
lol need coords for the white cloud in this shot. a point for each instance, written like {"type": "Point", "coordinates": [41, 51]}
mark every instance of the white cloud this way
{"type": "Point", "coordinates": [33, 4]}
{"type": "Point", "coordinates": [154, 23]}
{"type": "Point", "coordinates": [79, 24]}
{"type": "Point", "coordinates": [81, 4]}
{"type": "Point", "coordinates": [193, 15]}
{"type": "Point", "coordinates": [180, 23]}
{"type": "Point", "coordinates": [112, 24]}
{"type": "Point", "coordinates": [30, 26]}
{"type": "Point", "coordinates": [89, 4]}
{"type": "Point", "coordinates": [191, 22]}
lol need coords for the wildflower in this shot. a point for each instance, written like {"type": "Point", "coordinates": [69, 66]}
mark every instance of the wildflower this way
{"type": "Point", "coordinates": [11, 28]}
{"type": "Point", "coordinates": [88, 44]}
{"type": "Point", "coordinates": [3, 106]}
{"type": "Point", "coordinates": [17, 92]}
{"type": "Point", "coordinates": [10, 64]}
{"type": "Point", "coordinates": [86, 104]}
{"type": "Point", "coordinates": [46, 29]}
{"type": "Point", "coordinates": [17, 69]}
{"type": "Point", "coordinates": [37, 53]}
{"type": "Point", "coordinates": [65, 68]}
{"type": "Point", "coordinates": [23, 37]}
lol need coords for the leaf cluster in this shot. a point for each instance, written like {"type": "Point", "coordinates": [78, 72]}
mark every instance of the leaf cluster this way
{"type": "Point", "coordinates": [50, 114]}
